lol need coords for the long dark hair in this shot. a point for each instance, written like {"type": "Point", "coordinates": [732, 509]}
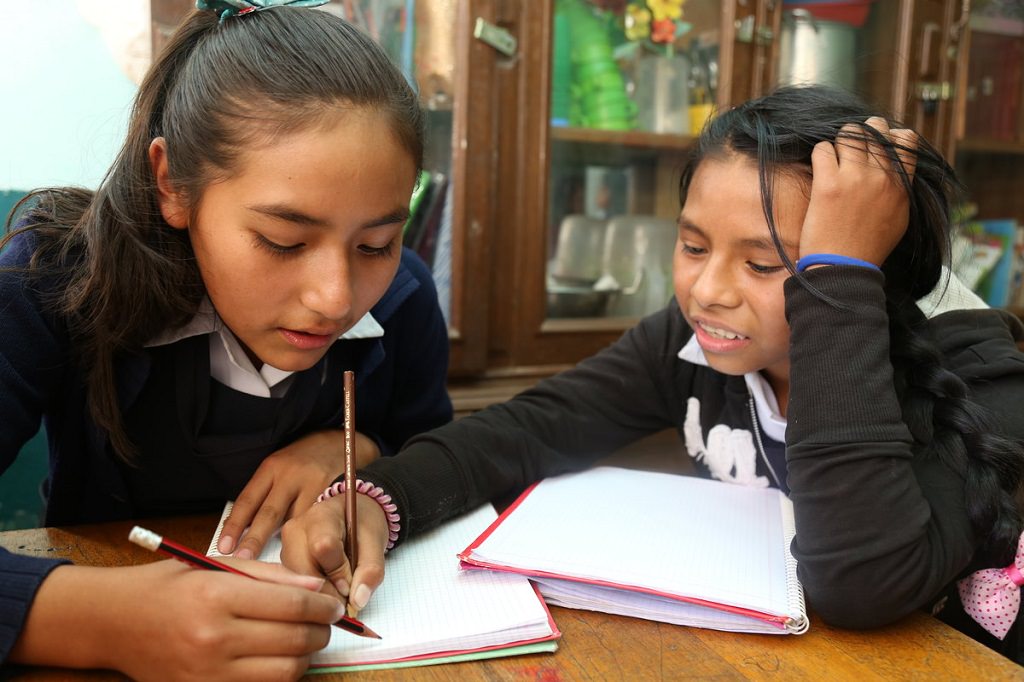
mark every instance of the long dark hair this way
{"type": "Point", "coordinates": [214, 90]}
{"type": "Point", "coordinates": [778, 133]}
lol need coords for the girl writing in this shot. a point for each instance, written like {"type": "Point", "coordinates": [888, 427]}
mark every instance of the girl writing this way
{"type": "Point", "coordinates": [183, 331]}
{"type": "Point", "coordinates": [816, 344]}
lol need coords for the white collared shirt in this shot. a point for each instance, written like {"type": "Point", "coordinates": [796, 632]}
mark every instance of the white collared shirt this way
{"type": "Point", "coordinates": [229, 363]}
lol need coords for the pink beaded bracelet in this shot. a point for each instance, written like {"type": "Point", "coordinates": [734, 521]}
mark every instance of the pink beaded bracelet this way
{"type": "Point", "coordinates": [377, 494]}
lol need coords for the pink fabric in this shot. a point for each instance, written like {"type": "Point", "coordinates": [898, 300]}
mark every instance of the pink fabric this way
{"type": "Point", "coordinates": [991, 596]}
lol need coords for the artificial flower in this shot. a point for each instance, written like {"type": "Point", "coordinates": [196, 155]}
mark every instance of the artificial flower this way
{"type": "Point", "coordinates": [666, 9]}
{"type": "Point", "coordinates": [663, 31]}
{"type": "Point", "coordinates": [637, 22]}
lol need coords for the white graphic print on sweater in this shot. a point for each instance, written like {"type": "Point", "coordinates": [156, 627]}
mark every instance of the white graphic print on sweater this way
{"type": "Point", "coordinates": [729, 454]}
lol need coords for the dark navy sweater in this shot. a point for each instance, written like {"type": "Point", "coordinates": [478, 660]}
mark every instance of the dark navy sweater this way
{"type": "Point", "coordinates": [401, 388]}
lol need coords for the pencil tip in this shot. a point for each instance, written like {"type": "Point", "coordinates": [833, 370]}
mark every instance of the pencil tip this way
{"type": "Point", "coordinates": [356, 628]}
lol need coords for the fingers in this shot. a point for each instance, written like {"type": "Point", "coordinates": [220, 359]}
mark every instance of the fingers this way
{"type": "Point", "coordinates": [905, 141]}
{"type": "Point", "coordinates": [854, 144]}
{"type": "Point", "coordinates": [271, 668]}
{"type": "Point", "coordinates": [242, 512]}
{"type": "Point", "coordinates": [373, 538]}
{"type": "Point", "coordinates": [276, 573]}
{"type": "Point", "coordinates": [314, 543]}
{"type": "Point", "coordinates": [266, 522]}
{"type": "Point", "coordinates": [276, 638]}
{"type": "Point", "coordinates": [267, 601]}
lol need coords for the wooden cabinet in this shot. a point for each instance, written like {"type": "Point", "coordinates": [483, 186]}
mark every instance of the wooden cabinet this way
{"type": "Point", "coordinates": [919, 59]}
{"type": "Point", "coordinates": [989, 122]}
{"type": "Point", "coordinates": [533, 159]}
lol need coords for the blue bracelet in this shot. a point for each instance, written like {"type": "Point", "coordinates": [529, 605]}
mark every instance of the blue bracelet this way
{"type": "Point", "coordinates": [830, 259]}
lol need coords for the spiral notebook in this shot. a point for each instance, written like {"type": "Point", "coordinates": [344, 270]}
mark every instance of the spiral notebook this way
{"type": "Point", "coordinates": [429, 611]}
{"type": "Point", "coordinates": [664, 547]}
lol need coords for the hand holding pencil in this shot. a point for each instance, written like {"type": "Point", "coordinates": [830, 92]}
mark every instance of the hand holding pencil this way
{"type": "Point", "coordinates": [343, 537]}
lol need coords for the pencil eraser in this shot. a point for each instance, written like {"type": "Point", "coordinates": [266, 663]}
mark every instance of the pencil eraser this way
{"type": "Point", "coordinates": [145, 538]}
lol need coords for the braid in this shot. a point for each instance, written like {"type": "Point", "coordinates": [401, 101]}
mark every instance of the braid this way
{"type": "Point", "coordinates": [942, 417]}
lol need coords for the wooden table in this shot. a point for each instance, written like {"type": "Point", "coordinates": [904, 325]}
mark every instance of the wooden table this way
{"type": "Point", "coordinates": [597, 646]}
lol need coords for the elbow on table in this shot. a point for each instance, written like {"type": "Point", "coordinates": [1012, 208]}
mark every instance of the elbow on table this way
{"type": "Point", "coordinates": [863, 610]}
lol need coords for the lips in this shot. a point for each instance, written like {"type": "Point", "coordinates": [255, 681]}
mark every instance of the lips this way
{"type": "Point", "coordinates": [720, 332]}
{"type": "Point", "coordinates": [307, 340]}
{"type": "Point", "coordinates": [716, 338]}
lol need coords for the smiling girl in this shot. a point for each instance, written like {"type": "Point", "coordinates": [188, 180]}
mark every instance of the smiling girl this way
{"type": "Point", "coordinates": [815, 344]}
{"type": "Point", "coordinates": [184, 329]}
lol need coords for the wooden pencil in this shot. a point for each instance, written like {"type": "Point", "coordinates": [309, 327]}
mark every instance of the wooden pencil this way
{"type": "Point", "coordinates": [351, 543]}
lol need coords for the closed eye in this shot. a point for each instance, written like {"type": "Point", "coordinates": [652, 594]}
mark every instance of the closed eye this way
{"type": "Point", "coordinates": [378, 251]}
{"type": "Point", "coordinates": [273, 247]}
{"type": "Point", "coordinates": [764, 269]}
{"type": "Point", "coordinates": [693, 250]}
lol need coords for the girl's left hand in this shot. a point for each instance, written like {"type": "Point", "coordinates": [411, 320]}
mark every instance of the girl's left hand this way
{"type": "Point", "coordinates": [287, 483]}
{"type": "Point", "coordinates": [859, 206]}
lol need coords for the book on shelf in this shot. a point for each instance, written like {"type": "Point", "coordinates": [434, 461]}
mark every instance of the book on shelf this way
{"type": "Point", "coordinates": [428, 610]}
{"type": "Point", "coordinates": [664, 547]}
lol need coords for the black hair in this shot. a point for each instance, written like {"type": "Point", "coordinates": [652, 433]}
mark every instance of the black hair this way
{"type": "Point", "coordinates": [214, 90]}
{"type": "Point", "coordinates": [778, 133]}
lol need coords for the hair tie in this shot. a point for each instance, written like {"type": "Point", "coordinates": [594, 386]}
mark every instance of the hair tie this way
{"type": "Point", "coordinates": [831, 259]}
{"type": "Point", "coordinates": [377, 494]}
{"type": "Point", "coordinates": [991, 596]}
{"type": "Point", "coordinates": [236, 8]}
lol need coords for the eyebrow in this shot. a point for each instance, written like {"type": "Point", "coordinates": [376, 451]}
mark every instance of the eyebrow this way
{"type": "Point", "coordinates": [291, 215]}
{"type": "Point", "coordinates": [760, 243]}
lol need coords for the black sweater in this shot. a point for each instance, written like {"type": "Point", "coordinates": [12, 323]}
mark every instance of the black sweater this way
{"type": "Point", "coordinates": [881, 529]}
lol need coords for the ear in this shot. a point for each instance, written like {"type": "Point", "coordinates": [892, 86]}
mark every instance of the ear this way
{"type": "Point", "coordinates": [173, 206]}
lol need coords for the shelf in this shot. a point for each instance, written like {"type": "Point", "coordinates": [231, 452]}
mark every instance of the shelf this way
{"type": "Point", "coordinates": [992, 146]}
{"type": "Point", "coordinates": [1004, 26]}
{"type": "Point", "coordinates": [626, 138]}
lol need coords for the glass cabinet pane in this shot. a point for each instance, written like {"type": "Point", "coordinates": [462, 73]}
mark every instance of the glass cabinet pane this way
{"type": "Point", "coordinates": [995, 80]}
{"type": "Point", "coordinates": [420, 38]}
{"type": "Point", "coordinates": [851, 44]}
{"type": "Point", "coordinates": [631, 82]}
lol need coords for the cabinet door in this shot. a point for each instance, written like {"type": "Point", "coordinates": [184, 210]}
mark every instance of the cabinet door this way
{"type": "Point", "coordinates": [990, 146]}
{"type": "Point", "coordinates": [858, 45]}
{"type": "Point", "coordinates": [432, 42]}
{"type": "Point", "coordinates": [598, 108]}
{"type": "Point", "coordinates": [935, 72]}
{"type": "Point", "coordinates": [990, 135]}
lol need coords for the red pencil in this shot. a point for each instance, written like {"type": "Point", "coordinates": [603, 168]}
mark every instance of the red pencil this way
{"type": "Point", "coordinates": [157, 543]}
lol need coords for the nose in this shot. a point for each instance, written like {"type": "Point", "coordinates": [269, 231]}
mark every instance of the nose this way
{"type": "Point", "coordinates": [714, 285]}
{"type": "Point", "coordinates": [328, 287]}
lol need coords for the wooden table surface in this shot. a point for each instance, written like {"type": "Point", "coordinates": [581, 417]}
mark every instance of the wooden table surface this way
{"type": "Point", "coordinates": [597, 646]}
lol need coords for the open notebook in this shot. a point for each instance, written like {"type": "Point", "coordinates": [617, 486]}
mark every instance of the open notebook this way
{"type": "Point", "coordinates": [665, 547]}
{"type": "Point", "coordinates": [430, 611]}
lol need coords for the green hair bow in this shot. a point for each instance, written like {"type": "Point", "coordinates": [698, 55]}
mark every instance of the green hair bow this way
{"type": "Point", "coordinates": [232, 8]}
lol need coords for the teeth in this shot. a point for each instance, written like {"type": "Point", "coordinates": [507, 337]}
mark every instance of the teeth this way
{"type": "Point", "coordinates": [720, 333]}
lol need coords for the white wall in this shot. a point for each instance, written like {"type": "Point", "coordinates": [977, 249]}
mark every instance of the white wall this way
{"type": "Point", "coordinates": [65, 93]}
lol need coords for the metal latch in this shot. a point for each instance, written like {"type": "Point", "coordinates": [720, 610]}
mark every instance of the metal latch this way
{"type": "Point", "coordinates": [748, 32]}
{"type": "Point", "coordinates": [495, 36]}
{"type": "Point", "coordinates": [933, 92]}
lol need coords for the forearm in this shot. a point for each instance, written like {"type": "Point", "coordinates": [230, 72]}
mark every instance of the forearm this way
{"type": "Point", "coordinates": [868, 541]}
{"type": "Point", "coordinates": [75, 617]}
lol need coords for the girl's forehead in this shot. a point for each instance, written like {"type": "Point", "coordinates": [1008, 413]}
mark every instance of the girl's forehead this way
{"type": "Point", "coordinates": [725, 200]}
